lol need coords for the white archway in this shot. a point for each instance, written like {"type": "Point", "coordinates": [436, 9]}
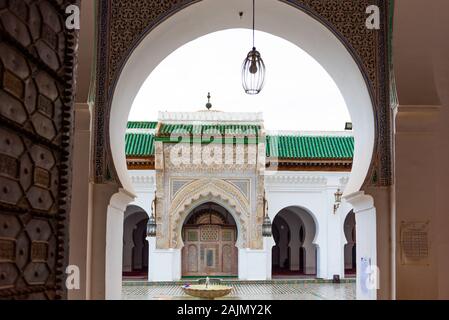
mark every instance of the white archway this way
{"type": "Point", "coordinates": [274, 17]}
{"type": "Point", "coordinates": [311, 226]}
{"type": "Point", "coordinates": [133, 215]}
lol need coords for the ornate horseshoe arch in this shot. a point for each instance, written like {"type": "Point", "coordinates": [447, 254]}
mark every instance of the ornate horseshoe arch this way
{"type": "Point", "coordinates": [344, 18]}
{"type": "Point", "coordinates": [205, 190]}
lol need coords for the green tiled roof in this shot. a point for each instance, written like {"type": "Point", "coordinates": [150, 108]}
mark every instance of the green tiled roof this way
{"type": "Point", "coordinates": [139, 144]}
{"type": "Point", "coordinates": [168, 129]}
{"type": "Point", "coordinates": [282, 146]}
{"type": "Point", "coordinates": [142, 124]}
{"type": "Point", "coordinates": [310, 147]}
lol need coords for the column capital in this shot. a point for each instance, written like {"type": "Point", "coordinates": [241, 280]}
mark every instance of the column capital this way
{"type": "Point", "coordinates": [121, 199]}
{"type": "Point", "coordinates": [360, 201]}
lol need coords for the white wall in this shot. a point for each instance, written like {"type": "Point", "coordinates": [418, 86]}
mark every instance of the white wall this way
{"type": "Point", "coordinates": [311, 193]}
{"type": "Point", "coordinates": [144, 183]}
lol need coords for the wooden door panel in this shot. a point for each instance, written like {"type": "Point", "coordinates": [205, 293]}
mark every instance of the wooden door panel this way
{"type": "Point", "coordinates": [37, 63]}
{"type": "Point", "coordinates": [209, 250]}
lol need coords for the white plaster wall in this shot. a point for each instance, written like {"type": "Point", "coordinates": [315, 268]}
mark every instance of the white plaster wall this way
{"type": "Point", "coordinates": [313, 192]}
{"type": "Point", "coordinates": [144, 184]}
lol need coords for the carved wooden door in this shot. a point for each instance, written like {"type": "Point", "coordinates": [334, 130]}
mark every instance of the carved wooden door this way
{"type": "Point", "coordinates": [209, 250]}
{"type": "Point", "coordinates": [37, 57]}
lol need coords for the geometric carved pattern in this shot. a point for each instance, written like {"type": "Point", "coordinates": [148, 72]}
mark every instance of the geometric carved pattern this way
{"type": "Point", "coordinates": [123, 23]}
{"type": "Point", "coordinates": [37, 59]}
{"type": "Point", "coordinates": [209, 233]}
{"type": "Point", "coordinates": [176, 185]}
{"type": "Point", "coordinates": [243, 185]}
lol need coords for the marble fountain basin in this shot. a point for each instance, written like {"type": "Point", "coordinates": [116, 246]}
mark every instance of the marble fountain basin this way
{"type": "Point", "coordinates": [207, 292]}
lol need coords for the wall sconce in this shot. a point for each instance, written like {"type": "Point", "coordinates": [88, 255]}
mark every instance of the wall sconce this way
{"type": "Point", "coordinates": [337, 195]}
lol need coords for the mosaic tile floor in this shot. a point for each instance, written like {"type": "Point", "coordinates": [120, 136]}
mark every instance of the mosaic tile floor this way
{"type": "Point", "coordinates": [248, 291]}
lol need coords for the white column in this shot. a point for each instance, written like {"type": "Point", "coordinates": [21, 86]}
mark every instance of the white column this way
{"type": "Point", "coordinates": [256, 264]}
{"type": "Point", "coordinates": [283, 244]}
{"type": "Point", "coordinates": [163, 264]}
{"type": "Point", "coordinates": [365, 216]}
{"type": "Point", "coordinates": [336, 240]}
{"type": "Point", "coordinates": [114, 243]}
{"type": "Point", "coordinates": [295, 242]}
{"type": "Point", "coordinates": [310, 265]}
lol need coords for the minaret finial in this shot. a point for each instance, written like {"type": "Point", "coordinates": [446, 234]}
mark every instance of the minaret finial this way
{"type": "Point", "coordinates": [208, 104]}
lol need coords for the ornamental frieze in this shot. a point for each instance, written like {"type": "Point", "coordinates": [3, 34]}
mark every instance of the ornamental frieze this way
{"type": "Point", "coordinates": [124, 23]}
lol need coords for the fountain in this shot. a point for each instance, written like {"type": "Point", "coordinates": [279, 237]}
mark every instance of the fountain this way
{"type": "Point", "coordinates": [207, 290]}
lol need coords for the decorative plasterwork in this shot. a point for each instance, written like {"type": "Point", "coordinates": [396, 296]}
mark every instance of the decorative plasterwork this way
{"type": "Point", "coordinates": [143, 179]}
{"type": "Point", "coordinates": [203, 190]}
{"type": "Point", "coordinates": [207, 117]}
{"type": "Point", "coordinates": [344, 180]}
{"type": "Point", "coordinates": [124, 23]}
{"type": "Point", "coordinates": [243, 185]}
{"type": "Point", "coordinates": [180, 157]}
{"type": "Point", "coordinates": [296, 179]}
{"type": "Point", "coordinates": [176, 185]}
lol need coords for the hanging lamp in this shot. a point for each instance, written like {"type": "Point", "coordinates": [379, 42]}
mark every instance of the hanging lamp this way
{"type": "Point", "coordinates": [151, 224]}
{"type": "Point", "coordinates": [253, 68]}
{"type": "Point", "coordinates": [266, 225]}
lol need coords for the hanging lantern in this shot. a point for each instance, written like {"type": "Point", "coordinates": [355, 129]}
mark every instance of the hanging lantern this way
{"type": "Point", "coordinates": [253, 68]}
{"type": "Point", "coordinates": [253, 72]}
{"type": "Point", "coordinates": [266, 227]}
{"type": "Point", "coordinates": [151, 224]}
{"type": "Point", "coordinates": [151, 227]}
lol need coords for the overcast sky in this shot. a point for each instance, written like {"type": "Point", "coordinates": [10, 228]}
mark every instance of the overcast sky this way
{"type": "Point", "coordinates": [298, 94]}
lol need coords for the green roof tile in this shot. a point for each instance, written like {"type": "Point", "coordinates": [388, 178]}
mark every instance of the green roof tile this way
{"type": "Point", "coordinates": [310, 147]}
{"type": "Point", "coordinates": [283, 146]}
{"type": "Point", "coordinates": [139, 144]}
{"type": "Point", "coordinates": [142, 124]}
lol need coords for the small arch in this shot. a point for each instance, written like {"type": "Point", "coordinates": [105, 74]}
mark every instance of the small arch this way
{"type": "Point", "coordinates": [294, 233]}
{"type": "Point", "coordinates": [135, 246]}
{"type": "Point", "coordinates": [350, 246]}
{"type": "Point", "coordinates": [209, 190]}
{"type": "Point", "coordinates": [210, 229]}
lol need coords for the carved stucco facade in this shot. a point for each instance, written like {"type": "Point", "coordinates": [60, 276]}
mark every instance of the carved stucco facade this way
{"type": "Point", "coordinates": [237, 186]}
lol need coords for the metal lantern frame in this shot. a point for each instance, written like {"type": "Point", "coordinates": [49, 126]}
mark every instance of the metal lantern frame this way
{"type": "Point", "coordinates": [266, 225]}
{"type": "Point", "coordinates": [253, 67]}
{"type": "Point", "coordinates": [151, 224]}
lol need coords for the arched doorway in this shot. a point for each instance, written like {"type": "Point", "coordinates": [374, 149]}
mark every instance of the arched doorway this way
{"type": "Point", "coordinates": [350, 246]}
{"type": "Point", "coordinates": [135, 245]}
{"type": "Point", "coordinates": [297, 27]}
{"type": "Point", "coordinates": [294, 253]}
{"type": "Point", "coordinates": [209, 235]}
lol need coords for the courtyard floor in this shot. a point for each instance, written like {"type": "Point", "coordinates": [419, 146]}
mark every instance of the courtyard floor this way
{"type": "Point", "coordinates": [267, 290]}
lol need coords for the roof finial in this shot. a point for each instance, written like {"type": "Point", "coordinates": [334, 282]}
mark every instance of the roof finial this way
{"type": "Point", "coordinates": [208, 104]}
